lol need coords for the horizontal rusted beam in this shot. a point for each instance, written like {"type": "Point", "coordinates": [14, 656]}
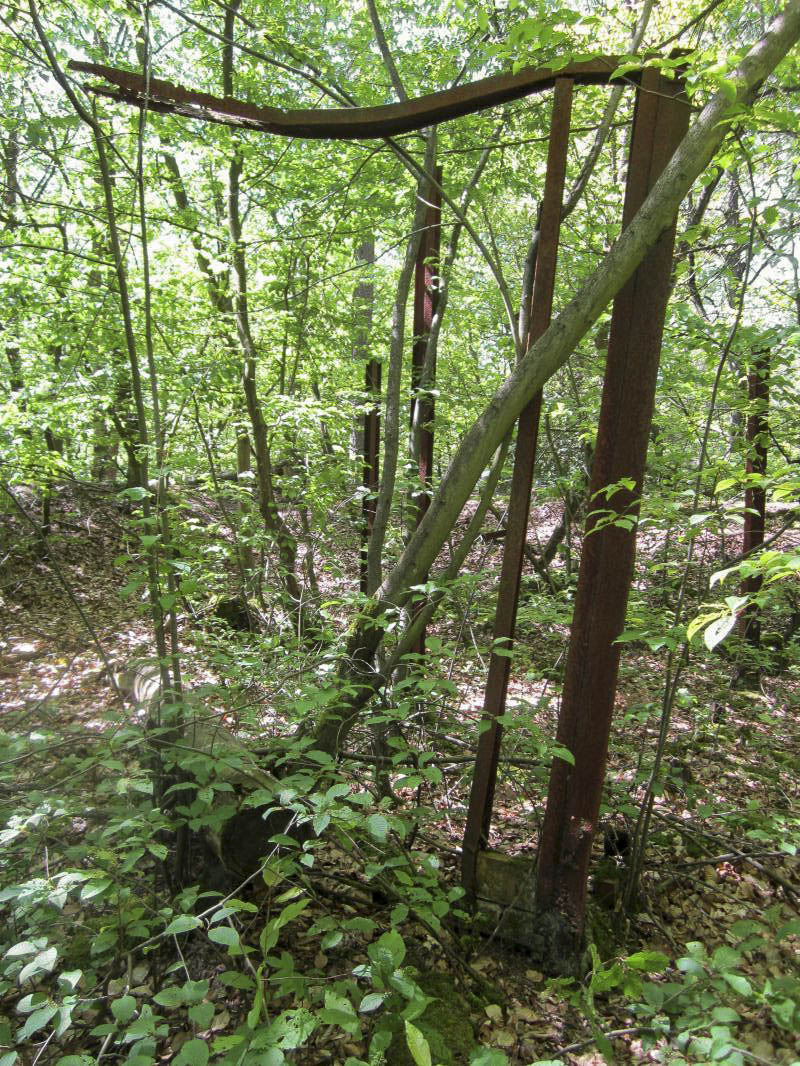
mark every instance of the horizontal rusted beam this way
{"type": "Point", "coordinates": [355, 123]}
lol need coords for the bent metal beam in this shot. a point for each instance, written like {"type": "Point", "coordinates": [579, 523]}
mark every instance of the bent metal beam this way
{"type": "Point", "coordinates": [352, 123]}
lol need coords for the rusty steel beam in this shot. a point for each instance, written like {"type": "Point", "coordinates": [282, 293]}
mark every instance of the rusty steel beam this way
{"type": "Point", "coordinates": [354, 123]}
{"type": "Point", "coordinates": [607, 558]}
{"type": "Point", "coordinates": [483, 781]}
{"type": "Point", "coordinates": [426, 301]}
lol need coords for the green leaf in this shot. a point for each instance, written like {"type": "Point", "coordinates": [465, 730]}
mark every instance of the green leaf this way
{"type": "Point", "coordinates": [201, 1014]}
{"type": "Point", "coordinates": [725, 1014]}
{"type": "Point", "coordinates": [399, 914]}
{"type": "Point", "coordinates": [360, 925]}
{"type": "Point", "coordinates": [223, 934]}
{"type": "Point", "coordinates": [288, 914]}
{"type": "Point", "coordinates": [340, 1011]}
{"type": "Point", "coordinates": [418, 1045]}
{"type": "Point", "coordinates": [43, 963]}
{"type": "Point", "coordinates": [718, 630]}
{"type": "Point", "coordinates": [70, 978]}
{"type": "Point", "coordinates": [725, 958]}
{"type": "Point", "coordinates": [23, 948]}
{"type": "Point", "coordinates": [371, 1002]}
{"type": "Point", "coordinates": [378, 827]}
{"type": "Point", "coordinates": [564, 754]}
{"type": "Point", "coordinates": [123, 1009]}
{"type": "Point", "coordinates": [728, 89]}
{"type": "Point", "coordinates": [169, 997]}
{"type": "Point", "coordinates": [234, 979]}
{"type": "Point", "coordinates": [784, 1011]}
{"type": "Point", "coordinates": [740, 985]}
{"type": "Point", "coordinates": [36, 1021]}
{"type": "Point", "coordinates": [193, 1053]}
{"type": "Point", "coordinates": [271, 1056]}
{"type": "Point", "coordinates": [388, 951]}
{"type": "Point", "coordinates": [194, 991]}
{"type": "Point", "coordinates": [182, 924]}
{"type": "Point", "coordinates": [648, 961]}
{"type": "Point", "coordinates": [490, 1056]}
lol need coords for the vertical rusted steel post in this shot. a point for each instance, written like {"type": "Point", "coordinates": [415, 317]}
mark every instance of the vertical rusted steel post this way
{"type": "Point", "coordinates": [363, 298]}
{"type": "Point", "coordinates": [755, 496]}
{"type": "Point", "coordinates": [483, 781]}
{"type": "Point", "coordinates": [426, 300]}
{"type": "Point", "coordinates": [606, 569]}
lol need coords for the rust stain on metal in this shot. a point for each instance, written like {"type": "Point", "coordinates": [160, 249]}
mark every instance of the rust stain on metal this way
{"type": "Point", "coordinates": [483, 781]}
{"type": "Point", "coordinates": [607, 559]}
{"type": "Point", "coordinates": [345, 123]}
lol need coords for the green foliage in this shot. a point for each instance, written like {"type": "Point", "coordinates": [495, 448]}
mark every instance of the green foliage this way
{"type": "Point", "coordinates": [99, 946]}
{"type": "Point", "coordinates": [701, 1008]}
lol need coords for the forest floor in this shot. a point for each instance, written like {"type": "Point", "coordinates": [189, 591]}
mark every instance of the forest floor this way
{"type": "Point", "coordinates": [715, 857]}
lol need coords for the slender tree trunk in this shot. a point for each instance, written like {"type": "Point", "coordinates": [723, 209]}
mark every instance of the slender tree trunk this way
{"type": "Point", "coordinates": [268, 507]}
{"type": "Point", "coordinates": [363, 301]}
{"type": "Point", "coordinates": [391, 419]}
{"type": "Point", "coordinates": [169, 675]}
{"type": "Point", "coordinates": [755, 495]}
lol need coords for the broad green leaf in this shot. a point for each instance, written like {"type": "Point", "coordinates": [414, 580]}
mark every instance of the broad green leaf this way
{"type": "Point", "coordinates": [183, 924]}
{"type": "Point", "coordinates": [372, 1001]}
{"type": "Point", "coordinates": [388, 951]}
{"type": "Point", "coordinates": [739, 984]}
{"type": "Point", "coordinates": [169, 997]}
{"type": "Point", "coordinates": [718, 630]}
{"type": "Point", "coordinates": [193, 1053]}
{"type": "Point", "coordinates": [648, 961]}
{"type": "Point", "coordinates": [223, 934]}
{"type": "Point", "coordinates": [418, 1045]}
{"type": "Point", "coordinates": [201, 1014]}
{"type": "Point", "coordinates": [37, 1021]}
{"type": "Point", "coordinates": [378, 827]}
{"type": "Point", "coordinates": [123, 1009]}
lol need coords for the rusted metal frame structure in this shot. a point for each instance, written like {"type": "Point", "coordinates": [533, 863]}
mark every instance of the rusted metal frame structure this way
{"type": "Point", "coordinates": [626, 412]}
{"type": "Point", "coordinates": [351, 123]}
{"type": "Point", "coordinates": [485, 775]}
{"type": "Point", "coordinates": [660, 121]}
{"type": "Point", "coordinates": [426, 301]}
{"type": "Point", "coordinates": [755, 495]}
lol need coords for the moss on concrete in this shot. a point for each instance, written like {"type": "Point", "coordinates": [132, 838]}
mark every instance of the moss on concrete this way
{"type": "Point", "coordinates": [445, 1024]}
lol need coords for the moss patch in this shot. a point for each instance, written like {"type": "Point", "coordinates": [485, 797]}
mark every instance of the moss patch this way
{"type": "Point", "coordinates": [445, 1024]}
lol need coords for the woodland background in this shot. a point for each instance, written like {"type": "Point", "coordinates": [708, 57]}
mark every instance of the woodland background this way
{"type": "Point", "coordinates": [192, 870]}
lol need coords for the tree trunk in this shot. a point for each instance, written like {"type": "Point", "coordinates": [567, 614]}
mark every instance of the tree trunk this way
{"type": "Point", "coordinates": [755, 495]}
{"type": "Point", "coordinates": [268, 507]}
{"type": "Point", "coordinates": [363, 301]}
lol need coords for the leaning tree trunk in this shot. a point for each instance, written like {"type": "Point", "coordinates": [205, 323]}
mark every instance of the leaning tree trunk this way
{"type": "Point", "coordinates": [544, 358]}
